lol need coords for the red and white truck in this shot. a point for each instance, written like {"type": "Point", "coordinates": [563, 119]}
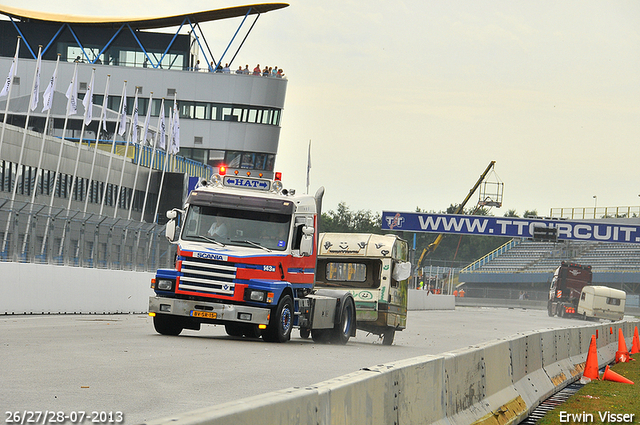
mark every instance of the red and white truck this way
{"type": "Point", "coordinates": [246, 259]}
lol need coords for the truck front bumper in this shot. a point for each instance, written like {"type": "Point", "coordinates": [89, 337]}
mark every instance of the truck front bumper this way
{"type": "Point", "coordinates": [208, 311]}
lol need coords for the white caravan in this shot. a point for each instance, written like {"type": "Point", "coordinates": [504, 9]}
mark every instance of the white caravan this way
{"type": "Point", "coordinates": [602, 302]}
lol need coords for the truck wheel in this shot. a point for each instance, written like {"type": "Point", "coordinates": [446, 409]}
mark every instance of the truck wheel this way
{"type": "Point", "coordinates": [279, 328]}
{"type": "Point", "coordinates": [167, 325]}
{"type": "Point", "coordinates": [550, 309]}
{"type": "Point", "coordinates": [304, 333]}
{"type": "Point", "coordinates": [560, 311]}
{"type": "Point", "coordinates": [387, 337]}
{"type": "Point", "coordinates": [344, 328]}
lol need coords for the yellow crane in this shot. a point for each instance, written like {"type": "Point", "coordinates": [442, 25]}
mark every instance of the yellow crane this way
{"type": "Point", "coordinates": [432, 246]}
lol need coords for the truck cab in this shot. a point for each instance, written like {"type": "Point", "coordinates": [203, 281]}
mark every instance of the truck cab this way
{"type": "Point", "coordinates": [374, 269]}
{"type": "Point", "coordinates": [566, 286]}
{"type": "Point", "coordinates": [246, 259]}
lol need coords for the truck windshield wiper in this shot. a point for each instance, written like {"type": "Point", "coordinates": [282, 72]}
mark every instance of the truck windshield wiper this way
{"type": "Point", "coordinates": [252, 243]}
{"type": "Point", "coordinates": [208, 239]}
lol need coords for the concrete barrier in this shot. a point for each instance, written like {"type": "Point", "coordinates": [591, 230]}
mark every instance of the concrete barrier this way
{"type": "Point", "coordinates": [45, 289]}
{"type": "Point", "coordinates": [499, 382]}
{"type": "Point", "coordinates": [423, 300]}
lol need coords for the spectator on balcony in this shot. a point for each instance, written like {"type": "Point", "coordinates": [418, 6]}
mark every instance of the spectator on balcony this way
{"type": "Point", "coordinates": [274, 72]}
{"type": "Point", "coordinates": [265, 71]}
{"type": "Point", "coordinates": [256, 70]}
{"type": "Point", "coordinates": [246, 70]}
{"type": "Point", "coordinates": [239, 70]}
{"type": "Point", "coordinates": [226, 69]}
{"type": "Point", "coordinates": [197, 67]}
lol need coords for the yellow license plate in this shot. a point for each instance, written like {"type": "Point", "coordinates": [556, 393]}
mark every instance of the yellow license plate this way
{"type": "Point", "coordinates": [204, 314]}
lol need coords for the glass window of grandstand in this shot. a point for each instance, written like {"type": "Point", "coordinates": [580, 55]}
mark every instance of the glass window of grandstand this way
{"type": "Point", "coordinates": [215, 158]}
{"type": "Point", "coordinates": [250, 161]}
{"type": "Point", "coordinates": [199, 155]}
{"type": "Point", "coordinates": [76, 54]}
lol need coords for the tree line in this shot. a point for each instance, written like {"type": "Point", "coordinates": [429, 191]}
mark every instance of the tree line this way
{"type": "Point", "coordinates": [454, 250]}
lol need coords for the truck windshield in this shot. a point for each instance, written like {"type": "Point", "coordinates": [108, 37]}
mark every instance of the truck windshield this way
{"type": "Point", "coordinates": [237, 227]}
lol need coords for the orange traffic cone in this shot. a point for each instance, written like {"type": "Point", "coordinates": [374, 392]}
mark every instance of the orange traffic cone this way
{"type": "Point", "coordinates": [591, 366]}
{"type": "Point", "coordinates": [610, 375]}
{"type": "Point", "coordinates": [622, 355]}
{"type": "Point", "coordinates": [635, 347]}
{"type": "Point", "coordinates": [610, 330]}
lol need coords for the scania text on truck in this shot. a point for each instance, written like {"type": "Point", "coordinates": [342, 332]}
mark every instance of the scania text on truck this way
{"type": "Point", "coordinates": [246, 259]}
{"type": "Point", "coordinates": [374, 268]}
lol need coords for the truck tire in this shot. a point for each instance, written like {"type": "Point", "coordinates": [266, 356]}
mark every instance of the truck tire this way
{"type": "Point", "coordinates": [344, 328]}
{"type": "Point", "coordinates": [550, 309]}
{"type": "Point", "coordinates": [387, 337]}
{"type": "Point", "coordinates": [304, 333]}
{"type": "Point", "coordinates": [167, 325]}
{"type": "Point", "coordinates": [279, 328]}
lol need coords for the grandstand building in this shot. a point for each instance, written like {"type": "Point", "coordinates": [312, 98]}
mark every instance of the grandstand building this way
{"type": "Point", "coordinates": [224, 117]}
{"type": "Point", "coordinates": [524, 265]}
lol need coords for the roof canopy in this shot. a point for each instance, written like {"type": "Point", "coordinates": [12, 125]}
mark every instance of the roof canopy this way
{"type": "Point", "coordinates": [141, 23]}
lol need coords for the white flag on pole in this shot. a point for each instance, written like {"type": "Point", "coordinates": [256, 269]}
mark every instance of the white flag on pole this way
{"type": "Point", "coordinates": [145, 131]}
{"type": "Point", "coordinates": [163, 128]}
{"type": "Point", "coordinates": [134, 119]}
{"type": "Point", "coordinates": [105, 102]}
{"type": "Point", "coordinates": [87, 102]}
{"type": "Point", "coordinates": [12, 71]}
{"type": "Point", "coordinates": [47, 98]}
{"type": "Point", "coordinates": [123, 116]}
{"type": "Point", "coordinates": [36, 86]}
{"type": "Point", "coordinates": [72, 93]}
{"type": "Point", "coordinates": [175, 130]}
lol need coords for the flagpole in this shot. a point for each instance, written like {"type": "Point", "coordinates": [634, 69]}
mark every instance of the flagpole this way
{"type": "Point", "coordinates": [164, 164]}
{"type": "Point", "coordinates": [123, 103]}
{"type": "Point", "coordinates": [142, 144]}
{"type": "Point", "coordinates": [12, 71]}
{"type": "Point", "coordinates": [51, 88]}
{"type": "Point", "coordinates": [71, 109]}
{"type": "Point", "coordinates": [308, 166]}
{"type": "Point", "coordinates": [124, 159]}
{"type": "Point", "coordinates": [95, 148]}
{"type": "Point", "coordinates": [87, 115]}
{"type": "Point", "coordinates": [153, 155]}
{"type": "Point", "coordinates": [19, 174]}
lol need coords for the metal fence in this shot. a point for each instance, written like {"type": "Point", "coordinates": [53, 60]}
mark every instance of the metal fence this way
{"type": "Point", "coordinates": [35, 233]}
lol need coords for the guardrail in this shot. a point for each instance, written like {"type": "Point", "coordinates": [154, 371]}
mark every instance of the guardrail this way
{"type": "Point", "coordinates": [498, 382]}
{"type": "Point", "coordinates": [33, 233]}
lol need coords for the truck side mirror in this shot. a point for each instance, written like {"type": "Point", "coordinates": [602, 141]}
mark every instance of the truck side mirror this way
{"type": "Point", "coordinates": [170, 229]}
{"type": "Point", "coordinates": [306, 244]}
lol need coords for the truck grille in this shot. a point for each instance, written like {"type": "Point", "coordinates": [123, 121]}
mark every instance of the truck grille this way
{"type": "Point", "coordinates": [211, 277]}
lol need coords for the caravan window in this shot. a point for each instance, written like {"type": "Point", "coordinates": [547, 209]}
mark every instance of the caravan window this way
{"type": "Point", "coordinates": [346, 272]}
{"type": "Point", "coordinates": [351, 274]}
{"type": "Point", "coordinates": [613, 301]}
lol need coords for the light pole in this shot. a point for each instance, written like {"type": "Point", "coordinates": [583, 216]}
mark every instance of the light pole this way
{"type": "Point", "coordinates": [595, 205]}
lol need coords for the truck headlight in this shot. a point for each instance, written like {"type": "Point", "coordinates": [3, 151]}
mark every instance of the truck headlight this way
{"type": "Point", "coordinates": [255, 295]}
{"type": "Point", "coordinates": [164, 284]}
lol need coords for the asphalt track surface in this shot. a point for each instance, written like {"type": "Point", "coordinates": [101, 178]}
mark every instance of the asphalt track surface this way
{"type": "Point", "coordinates": [117, 363]}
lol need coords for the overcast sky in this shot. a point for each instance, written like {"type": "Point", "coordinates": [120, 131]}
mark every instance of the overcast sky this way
{"type": "Point", "coordinates": [407, 102]}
